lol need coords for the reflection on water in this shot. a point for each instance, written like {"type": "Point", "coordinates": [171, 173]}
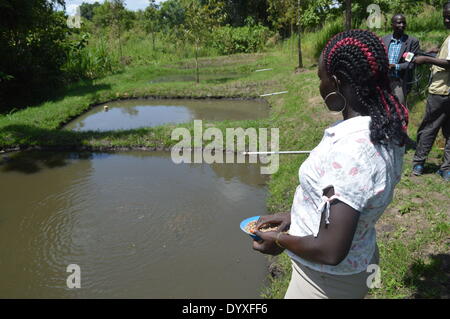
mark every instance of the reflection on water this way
{"type": "Point", "coordinates": [130, 114]}
{"type": "Point", "coordinates": [138, 225]}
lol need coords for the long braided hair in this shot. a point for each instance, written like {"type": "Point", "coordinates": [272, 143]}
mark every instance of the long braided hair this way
{"type": "Point", "coordinates": [360, 58]}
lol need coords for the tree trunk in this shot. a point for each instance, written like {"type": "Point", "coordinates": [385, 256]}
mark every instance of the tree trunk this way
{"type": "Point", "coordinates": [300, 58]}
{"type": "Point", "coordinates": [291, 42]}
{"type": "Point", "coordinates": [348, 14]}
{"type": "Point", "coordinates": [153, 40]}
{"type": "Point", "coordinates": [120, 42]}
{"type": "Point", "coordinates": [120, 48]}
{"type": "Point", "coordinates": [196, 65]}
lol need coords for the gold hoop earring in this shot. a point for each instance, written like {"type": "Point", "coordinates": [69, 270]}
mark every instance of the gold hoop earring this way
{"type": "Point", "coordinates": [342, 97]}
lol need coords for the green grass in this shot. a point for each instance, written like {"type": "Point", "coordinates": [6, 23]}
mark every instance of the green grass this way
{"type": "Point", "coordinates": [39, 125]}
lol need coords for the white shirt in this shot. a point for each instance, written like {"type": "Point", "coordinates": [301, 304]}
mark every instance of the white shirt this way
{"type": "Point", "coordinates": [448, 50]}
{"type": "Point", "coordinates": [363, 175]}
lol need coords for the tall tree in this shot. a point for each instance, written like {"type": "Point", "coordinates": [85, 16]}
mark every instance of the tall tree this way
{"type": "Point", "coordinates": [114, 16]}
{"type": "Point", "coordinates": [200, 19]}
{"type": "Point", "coordinates": [87, 9]}
{"type": "Point", "coordinates": [152, 20]}
{"type": "Point", "coordinates": [299, 13]}
{"type": "Point", "coordinates": [299, 26]}
{"type": "Point", "coordinates": [117, 10]}
{"type": "Point", "coordinates": [283, 15]}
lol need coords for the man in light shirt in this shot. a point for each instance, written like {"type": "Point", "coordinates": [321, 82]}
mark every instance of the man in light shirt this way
{"type": "Point", "coordinates": [437, 114]}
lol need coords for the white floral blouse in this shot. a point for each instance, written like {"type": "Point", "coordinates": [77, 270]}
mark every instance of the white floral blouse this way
{"type": "Point", "coordinates": [363, 175]}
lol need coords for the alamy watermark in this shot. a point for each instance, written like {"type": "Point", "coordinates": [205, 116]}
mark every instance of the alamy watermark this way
{"type": "Point", "coordinates": [376, 18]}
{"type": "Point", "coordinates": [74, 279]}
{"type": "Point", "coordinates": [75, 20]}
{"type": "Point", "coordinates": [374, 279]}
{"type": "Point", "coordinates": [228, 149]}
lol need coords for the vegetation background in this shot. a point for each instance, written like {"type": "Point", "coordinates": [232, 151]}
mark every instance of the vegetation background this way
{"type": "Point", "coordinates": [40, 53]}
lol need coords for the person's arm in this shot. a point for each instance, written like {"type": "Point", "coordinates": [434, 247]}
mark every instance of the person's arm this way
{"type": "Point", "coordinates": [443, 63]}
{"type": "Point", "coordinates": [435, 61]}
{"type": "Point", "coordinates": [332, 243]}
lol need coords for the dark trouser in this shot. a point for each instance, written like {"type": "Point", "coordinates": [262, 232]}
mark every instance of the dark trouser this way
{"type": "Point", "coordinates": [397, 89]}
{"type": "Point", "coordinates": [437, 115]}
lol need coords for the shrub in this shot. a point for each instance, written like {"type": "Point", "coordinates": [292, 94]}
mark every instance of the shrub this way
{"type": "Point", "coordinates": [246, 39]}
{"type": "Point", "coordinates": [89, 62]}
{"type": "Point", "coordinates": [322, 37]}
{"type": "Point", "coordinates": [428, 20]}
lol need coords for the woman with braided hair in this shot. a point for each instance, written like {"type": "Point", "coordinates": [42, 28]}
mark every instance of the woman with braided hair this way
{"type": "Point", "coordinates": [348, 180]}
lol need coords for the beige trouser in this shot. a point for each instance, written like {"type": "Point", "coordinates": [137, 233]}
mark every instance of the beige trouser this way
{"type": "Point", "coordinates": [311, 284]}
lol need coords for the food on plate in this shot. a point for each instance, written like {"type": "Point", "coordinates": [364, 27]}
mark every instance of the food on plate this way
{"type": "Point", "coordinates": [251, 227]}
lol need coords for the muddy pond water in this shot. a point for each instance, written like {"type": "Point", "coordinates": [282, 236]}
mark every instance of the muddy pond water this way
{"type": "Point", "coordinates": [138, 226]}
{"type": "Point", "coordinates": [131, 114]}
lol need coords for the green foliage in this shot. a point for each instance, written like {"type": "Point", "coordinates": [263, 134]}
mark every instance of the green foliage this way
{"type": "Point", "coordinates": [172, 14]}
{"type": "Point", "coordinates": [87, 9]}
{"type": "Point", "coordinates": [113, 17]}
{"type": "Point", "coordinates": [88, 62]}
{"type": "Point", "coordinates": [113, 14]}
{"type": "Point", "coordinates": [247, 39]}
{"type": "Point", "coordinates": [200, 19]}
{"type": "Point", "coordinates": [237, 12]}
{"type": "Point", "coordinates": [284, 14]}
{"type": "Point", "coordinates": [5, 77]}
{"type": "Point", "coordinates": [152, 18]}
{"type": "Point", "coordinates": [429, 19]}
{"type": "Point", "coordinates": [313, 13]}
{"type": "Point", "coordinates": [32, 51]}
{"type": "Point", "coordinates": [411, 8]}
{"type": "Point", "coordinates": [38, 51]}
{"type": "Point", "coordinates": [325, 34]}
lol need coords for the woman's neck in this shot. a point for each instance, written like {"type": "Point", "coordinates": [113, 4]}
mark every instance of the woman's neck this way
{"type": "Point", "coordinates": [350, 96]}
{"type": "Point", "coordinates": [349, 113]}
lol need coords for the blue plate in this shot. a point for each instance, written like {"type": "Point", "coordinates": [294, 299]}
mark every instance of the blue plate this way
{"type": "Point", "coordinates": [245, 223]}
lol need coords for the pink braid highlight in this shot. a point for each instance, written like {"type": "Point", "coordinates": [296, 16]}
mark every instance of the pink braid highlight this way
{"type": "Point", "coordinates": [363, 47]}
{"type": "Point", "coordinates": [383, 100]}
{"type": "Point", "coordinates": [401, 115]}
